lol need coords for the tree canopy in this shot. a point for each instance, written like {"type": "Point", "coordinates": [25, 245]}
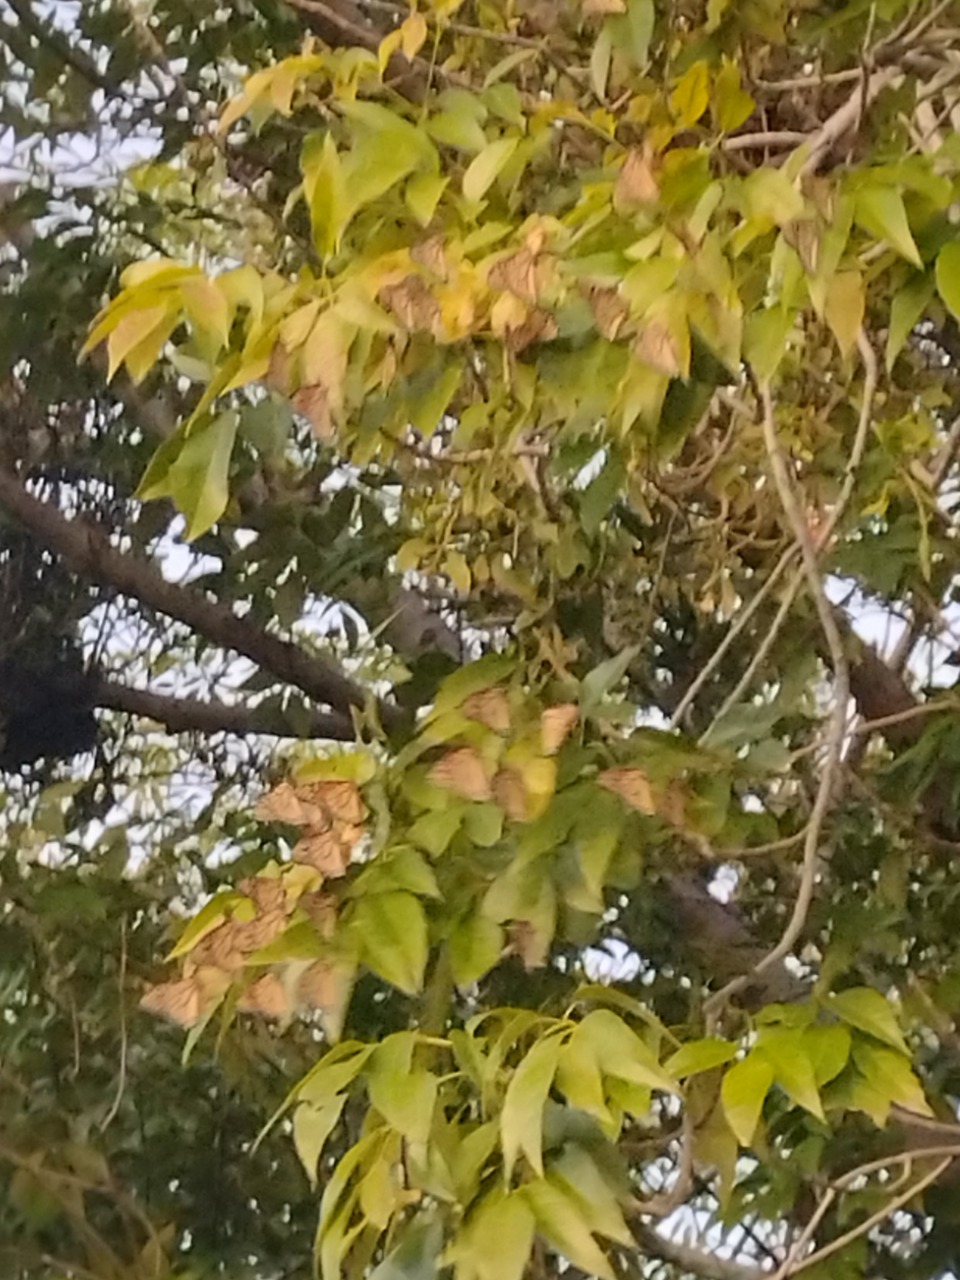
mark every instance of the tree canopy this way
{"type": "Point", "coordinates": [478, 488]}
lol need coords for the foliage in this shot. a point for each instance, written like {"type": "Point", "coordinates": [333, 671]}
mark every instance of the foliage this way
{"type": "Point", "coordinates": [501, 426]}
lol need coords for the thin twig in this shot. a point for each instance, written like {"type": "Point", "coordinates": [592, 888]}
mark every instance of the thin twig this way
{"type": "Point", "coordinates": [736, 629]}
{"type": "Point", "coordinates": [863, 1228]}
{"type": "Point", "coordinates": [122, 1009]}
{"type": "Point", "coordinates": [838, 721]}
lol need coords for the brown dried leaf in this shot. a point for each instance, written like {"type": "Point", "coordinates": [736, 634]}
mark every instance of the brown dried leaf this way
{"type": "Point", "coordinates": [220, 948]}
{"type": "Point", "coordinates": [656, 346]}
{"type": "Point", "coordinates": [609, 310]}
{"type": "Point", "coordinates": [673, 804]}
{"type": "Point", "coordinates": [180, 1002]}
{"type": "Point", "coordinates": [339, 798]}
{"type": "Point", "coordinates": [462, 771]}
{"type": "Point", "coordinates": [256, 933]}
{"type": "Point", "coordinates": [324, 850]}
{"type": "Point", "coordinates": [326, 986]}
{"type": "Point", "coordinates": [524, 940]}
{"type": "Point", "coordinates": [267, 892]}
{"type": "Point", "coordinates": [282, 804]}
{"type": "Point", "coordinates": [490, 707]}
{"type": "Point", "coordinates": [314, 404]}
{"type": "Point", "coordinates": [555, 726]}
{"type": "Point", "coordinates": [279, 371]}
{"type": "Point", "coordinates": [322, 911]}
{"type": "Point", "coordinates": [516, 274]}
{"type": "Point", "coordinates": [268, 997]}
{"type": "Point", "coordinates": [632, 786]}
{"type": "Point", "coordinates": [430, 253]}
{"type": "Point", "coordinates": [636, 183]}
{"type": "Point", "coordinates": [412, 303]}
{"type": "Point", "coordinates": [188, 1000]}
{"type": "Point", "coordinates": [511, 795]}
{"type": "Point", "coordinates": [539, 326]}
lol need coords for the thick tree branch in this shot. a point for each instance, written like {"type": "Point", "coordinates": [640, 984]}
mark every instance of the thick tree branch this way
{"type": "Point", "coordinates": [193, 715]}
{"type": "Point", "coordinates": [86, 549]}
{"type": "Point", "coordinates": [695, 1262]}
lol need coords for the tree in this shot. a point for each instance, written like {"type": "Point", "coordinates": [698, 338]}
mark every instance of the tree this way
{"type": "Point", "coordinates": [441, 669]}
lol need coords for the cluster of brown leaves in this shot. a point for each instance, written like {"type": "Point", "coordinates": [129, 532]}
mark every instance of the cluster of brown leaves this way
{"type": "Point", "coordinates": [331, 815]}
{"type": "Point", "coordinates": [465, 772]}
{"type": "Point", "coordinates": [220, 957]}
{"type": "Point", "coordinates": [633, 787]}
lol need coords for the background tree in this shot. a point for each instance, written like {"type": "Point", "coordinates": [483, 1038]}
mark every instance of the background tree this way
{"type": "Point", "coordinates": [544, 403]}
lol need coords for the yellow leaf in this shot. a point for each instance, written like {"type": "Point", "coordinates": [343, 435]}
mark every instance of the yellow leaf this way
{"type": "Point", "coordinates": [141, 359]}
{"type": "Point", "coordinates": [207, 307]}
{"type": "Point", "coordinates": [691, 97]}
{"type": "Point", "coordinates": [131, 330]}
{"type": "Point", "coordinates": [844, 308]}
{"type": "Point", "coordinates": [458, 571]}
{"type": "Point", "coordinates": [296, 327]}
{"type": "Point", "coordinates": [483, 170]}
{"type": "Point", "coordinates": [156, 271]}
{"type": "Point", "coordinates": [325, 355]}
{"type": "Point", "coordinates": [387, 48]}
{"type": "Point", "coordinates": [257, 85]}
{"type": "Point", "coordinates": [243, 287]}
{"type": "Point", "coordinates": [413, 34]}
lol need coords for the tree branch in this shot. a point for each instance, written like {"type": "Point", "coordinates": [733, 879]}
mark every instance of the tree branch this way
{"type": "Point", "coordinates": [86, 549]}
{"type": "Point", "coordinates": [193, 715]}
{"type": "Point", "coordinates": [694, 1261]}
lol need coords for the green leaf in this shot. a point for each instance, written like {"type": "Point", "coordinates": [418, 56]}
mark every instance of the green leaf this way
{"type": "Point", "coordinates": [391, 930]}
{"type": "Point", "coordinates": [579, 1077]}
{"type": "Point", "coordinates": [484, 169]}
{"type": "Point", "coordinates": [908, 305]}
{"type": "Point", "coordinates": [948, 277]}
{"type": "Point", "coordinates": [422, 195]}
{"type": "Point", "coordinates": [794, 1072]}
{"type": "Point", "coordinates": [621, 1052]}
{"type": "Point", "coordinates": [197, 481]}
{"type": "Point", "coordinates": [600, 58]}
{"type": "Point", "coordinates": [407, 869]}
{"type": "Point", "coordinates": [434, 831]}
{"type": "Point", "coordinates": [475, 947]}
{"type": "Point", "coordinates": [601, 493]}
{"type": "Point", "coordinates": [603, 679]}
{"type": "Point", "coordinates": [742, 1094]}
{"type": "Point", "coordinates": [881, 212]}
{"type": "Point", "coordinates": [405, 1099]}
{"type": "Point", "coordinates": [578, 1175]}
{"type": "Point", "coordinates": [770, 196]}
{"type": "Point", "coordinates": [766, 333]}
{"type": "Point", "coordinates": [563, 1222]}
{"type": "Point", "coordinates": [416, 1256]}
{"type": "Point", "coordinates": [312, 1126]}
{"type": "Point", "coordinates": [521, 1121]}
{"type": "Point", "coordinates": [483, 824]}
{"type": "Point", "coordinates": [890, 1075]}
{"type": "Point", "coordinates": [868, 1011]}
{"type": "Point", "coordinates": [495, 1244]}
{"type": "Point", "coordinates": [700, 1055]}
{"type": "Point", "coordinates": [829, 1051]}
